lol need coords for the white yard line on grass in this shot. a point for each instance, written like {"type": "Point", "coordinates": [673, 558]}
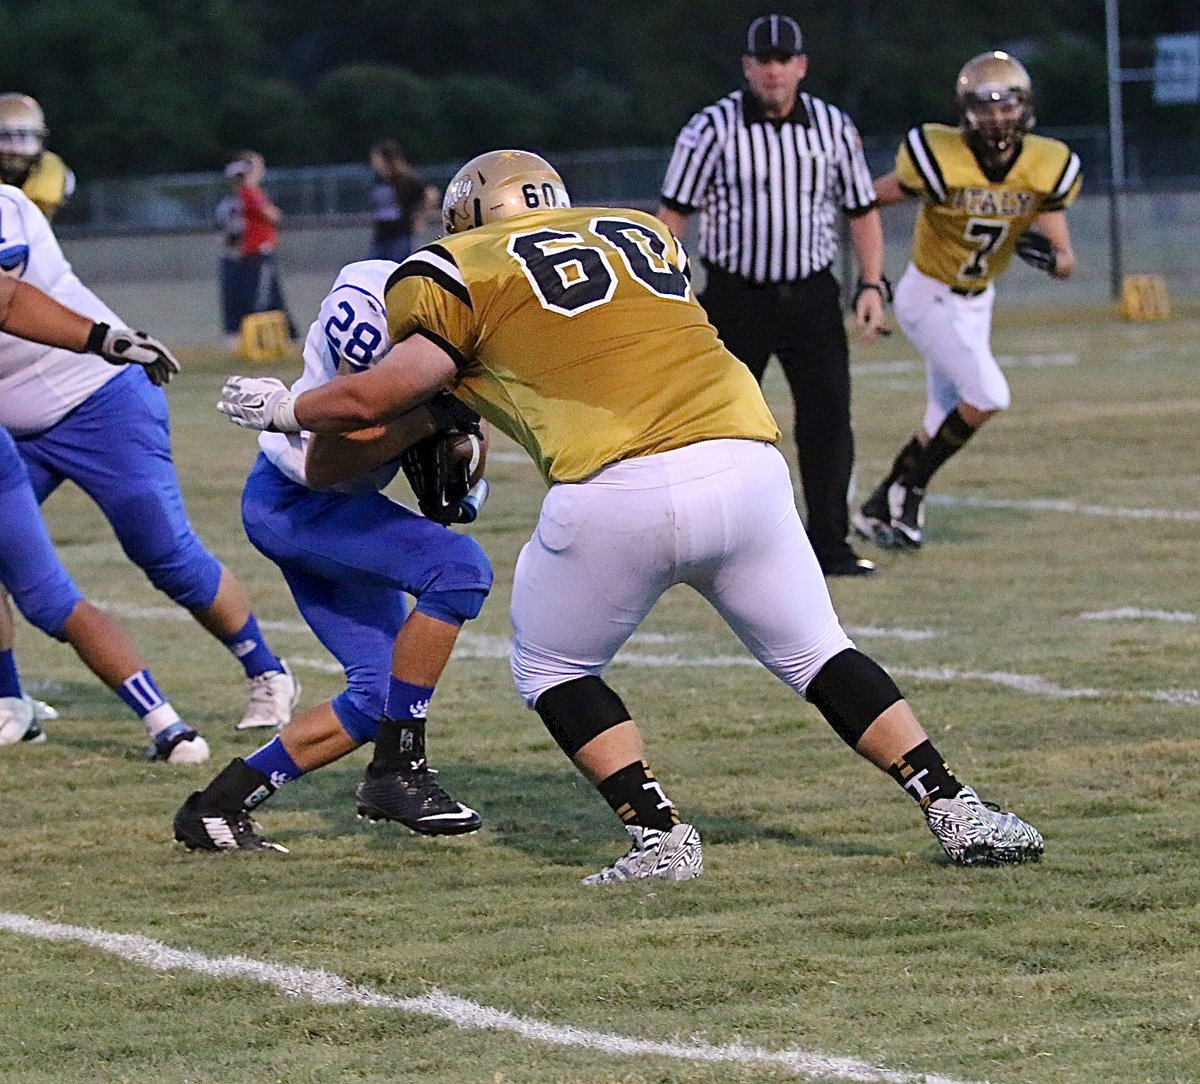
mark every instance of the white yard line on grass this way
{"type": "Point", "coordinates": [1007, 361]}
{"type": "Point", "coordinates": [325, 988]}
{"type": "Point", "coordinates": [1074, 508]}
{"type": "Point", "coordinates": [479, 645]}
{"type": "Point", "coordinates": [1133, 613]}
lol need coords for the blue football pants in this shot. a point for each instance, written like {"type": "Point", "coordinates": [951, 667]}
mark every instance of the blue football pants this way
{"type": "Point", "coordinates": [349, 560]}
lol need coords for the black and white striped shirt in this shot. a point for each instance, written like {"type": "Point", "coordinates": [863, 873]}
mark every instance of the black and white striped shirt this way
{"type": "Point", "coordinates": [768, 191]}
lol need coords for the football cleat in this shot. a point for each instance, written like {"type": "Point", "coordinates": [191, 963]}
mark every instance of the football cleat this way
{"type": "Point", "coordinates": [17, 721]}
{"type": "Point", "coordinates": [411, 796]}
{"type": "Point", "coordinates": [42, 712]}
{"type": "Point", "coordinates": [907, 506]}
{"type": "Point", "coordinates": [974, 832]}
{"type": "Point", "coordinates": [272, 696]}
{"type": "Point", "coordinates": [873, 521]}
{"type": "Point", "coordinates": [201, 830]}
{"type": "Point", "coordinates": [667, 856]}
{"type": "Point", "coordinates": [178, 744]}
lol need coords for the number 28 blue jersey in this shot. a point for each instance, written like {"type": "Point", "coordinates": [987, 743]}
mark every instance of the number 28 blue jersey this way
{"type": "Point", "coordinates": [350, 334]}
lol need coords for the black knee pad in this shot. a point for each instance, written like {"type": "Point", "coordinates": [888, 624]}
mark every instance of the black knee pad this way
{"type": "Point", "coordinates": [852, 691]}
{"type": "Point", "coordinates": [577, 711]}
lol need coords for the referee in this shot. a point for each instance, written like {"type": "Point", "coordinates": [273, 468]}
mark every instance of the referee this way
{"type": "Point", "coordinates": [768, 167]}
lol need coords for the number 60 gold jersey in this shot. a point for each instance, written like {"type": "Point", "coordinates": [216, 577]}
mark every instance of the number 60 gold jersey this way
{"type": "Point", "coordinates": [968, 225]}
{"type": "Point", "coordinates": [576, 332]}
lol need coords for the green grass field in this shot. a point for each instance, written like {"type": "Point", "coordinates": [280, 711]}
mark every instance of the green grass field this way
{"type": "Point", "coordinates": [1050, 648]}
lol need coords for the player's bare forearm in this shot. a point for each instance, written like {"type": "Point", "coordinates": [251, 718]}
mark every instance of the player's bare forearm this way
{"type": "Point", "coordinates": [1053, 225]}
{"type": "Point", "coordinates": [411, 372]}
{"type": "Point", "coordinates": [337, 457]}
{"type": "Point", "coordinates": [28, 313]}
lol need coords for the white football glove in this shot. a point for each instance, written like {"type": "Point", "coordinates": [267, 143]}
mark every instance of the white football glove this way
{"type": "Point", "coordinates": [259, 402]}
{"type": "Point", "coordinates": [120, 346]}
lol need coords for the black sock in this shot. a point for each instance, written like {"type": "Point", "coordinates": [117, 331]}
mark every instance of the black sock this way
{"type": "Point", "coordinates": [637, 798]}
{"type": "Point", "coordinates": [399, 744]}
{"type": "Point", "coordinates": [237, 786]}
{"type": "Point", "coordinates": [905, 460]}
{"type": "Point", "coordinates": [923, 773]}
{"type": "Point", "coordinates": [952, 434]}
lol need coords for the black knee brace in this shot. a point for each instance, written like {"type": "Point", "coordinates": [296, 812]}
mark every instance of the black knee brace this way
{"type": "Point", "coordinates": [577, 711]}
{"type": "Point", "coordinates": [852, 691]}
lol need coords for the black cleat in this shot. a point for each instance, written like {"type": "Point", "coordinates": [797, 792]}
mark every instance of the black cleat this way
{"type": "Point", "coordinates": [412, 797]}
{"type": "Point", "coordinates": [218, 831]}
{"type": "Point", "coordinates": [873, 521]}
{"type": "Point", "coordinates": [849, 566]}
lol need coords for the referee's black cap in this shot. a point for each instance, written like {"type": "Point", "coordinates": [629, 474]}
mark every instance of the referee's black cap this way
{"type": "Point", "coordinates": [774, 35]}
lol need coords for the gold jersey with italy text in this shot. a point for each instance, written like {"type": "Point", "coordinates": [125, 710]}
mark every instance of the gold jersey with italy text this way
{"type": "Point", "coordinates": [968, 225]}
{"type": "Point", "coordinates": [49, 183]}
{"type": "Point", "coordinates": [576, 332]}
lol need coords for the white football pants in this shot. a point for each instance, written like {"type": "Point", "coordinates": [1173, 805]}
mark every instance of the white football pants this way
{"type": "Point", "coordinates": [719, 516]}
{"type": "Point", "coordinates": [953, 334]}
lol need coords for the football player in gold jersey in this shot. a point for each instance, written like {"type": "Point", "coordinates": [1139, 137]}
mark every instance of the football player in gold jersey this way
{"type": "Point", "coordinates": [24, 161]}
{"type": "Point", "coordinates": [575, 331]}
{"type": "Point", "coordinates": [982, 187]}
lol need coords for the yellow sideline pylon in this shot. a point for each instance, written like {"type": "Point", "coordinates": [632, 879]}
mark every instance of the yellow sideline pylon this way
{"type": "Point", "coordinates": [265, 336]}
{"type": "Point", "coordinates": [1145, 297]}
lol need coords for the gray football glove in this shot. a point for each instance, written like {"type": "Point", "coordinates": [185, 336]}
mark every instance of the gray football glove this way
{"type": "Point", "coordinates": [1037, 251]}
{"type": "Point", "coordinates": [259, 402]}
{"type": "Point", "coordinates": [120, 346]}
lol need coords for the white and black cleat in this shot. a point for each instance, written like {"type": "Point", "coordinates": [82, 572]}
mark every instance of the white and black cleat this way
{"type": "Point", "coordinates": [178, 744]}
{"type": "Point", "coordinates": [212, 830]}
{"type": "Point", "coordinates": [412, 797]}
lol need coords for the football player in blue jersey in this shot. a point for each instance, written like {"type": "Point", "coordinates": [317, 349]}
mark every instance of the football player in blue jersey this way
{"type": "Point", "coordinates": [76, 418]}
{"type": "Point", "coordinates": [29, 567]}
{"type": "Point", "coordinates": [313, 505]}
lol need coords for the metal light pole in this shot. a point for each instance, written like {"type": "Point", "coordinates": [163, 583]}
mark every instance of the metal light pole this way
{"type": "Point", "coordinates": [1116, 145]}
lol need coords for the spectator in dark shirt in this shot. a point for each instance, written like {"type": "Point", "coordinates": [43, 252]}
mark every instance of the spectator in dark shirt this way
{"type": "Point", "coordinates": [401, 202]}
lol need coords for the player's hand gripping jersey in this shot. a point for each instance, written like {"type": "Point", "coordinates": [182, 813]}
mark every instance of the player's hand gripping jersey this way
{"type": "Point", "coordinates": [968, 225]}
{"type": "Point", "coordinates": [527, 304]}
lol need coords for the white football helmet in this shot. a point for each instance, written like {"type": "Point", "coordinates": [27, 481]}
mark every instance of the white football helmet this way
{"type": "Point", "coordinates": [500, 184]}
{"type": "Point", "coordinates": [22, 136]}
{"type": "Point", "coordinates": [995, 100]}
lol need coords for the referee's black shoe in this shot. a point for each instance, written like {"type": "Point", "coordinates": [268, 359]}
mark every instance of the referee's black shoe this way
{"type": "Point", "coordinates": [850, 565]}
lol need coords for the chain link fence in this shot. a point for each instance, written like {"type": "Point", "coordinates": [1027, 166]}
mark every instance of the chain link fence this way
{"type": "Point", "coordinates": [629, 176]}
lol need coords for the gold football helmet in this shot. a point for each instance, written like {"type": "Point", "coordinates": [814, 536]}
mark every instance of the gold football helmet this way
{"type": "Point", "coordinates": [22, 136]}
{"type": "Point", "coordinates": [995, 98]}
{"type": "Point", "coordinates": [500, 184]}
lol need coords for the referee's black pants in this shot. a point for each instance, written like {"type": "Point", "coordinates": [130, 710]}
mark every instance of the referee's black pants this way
{"type": "Point", "coordinates": [801, 323]}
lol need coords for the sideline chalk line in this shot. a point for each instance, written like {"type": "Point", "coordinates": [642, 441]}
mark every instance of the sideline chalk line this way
{"type": "Point", "coordinates": [325, 988]}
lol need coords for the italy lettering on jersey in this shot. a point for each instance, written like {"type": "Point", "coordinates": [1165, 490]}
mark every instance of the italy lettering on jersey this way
{"type": "Point", "coordinates": [40, 385]}
{"type": "Point", "coordinates": [350, 334]}
{"type": "Point", "coordinates": [576, 333]}
{"type": "Point", "coordinates": [968, 225]}
{"type": "Point", "coordinates": [49, 183]}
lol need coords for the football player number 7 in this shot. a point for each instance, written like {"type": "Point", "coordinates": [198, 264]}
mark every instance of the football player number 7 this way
{"type": "Point", "coordinates": [570, 276]}
{"type": "Point", "coordinates": [985, 235]}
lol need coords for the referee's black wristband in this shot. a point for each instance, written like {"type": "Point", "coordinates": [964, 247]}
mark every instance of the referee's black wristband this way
{"type": "Point", "coordinates": [95, 339]}
{"type": "Point", "coordinates": [883, 287]}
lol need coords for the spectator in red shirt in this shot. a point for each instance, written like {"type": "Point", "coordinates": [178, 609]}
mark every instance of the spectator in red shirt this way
{"type": "Point", "coordinates": [259, 287]}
